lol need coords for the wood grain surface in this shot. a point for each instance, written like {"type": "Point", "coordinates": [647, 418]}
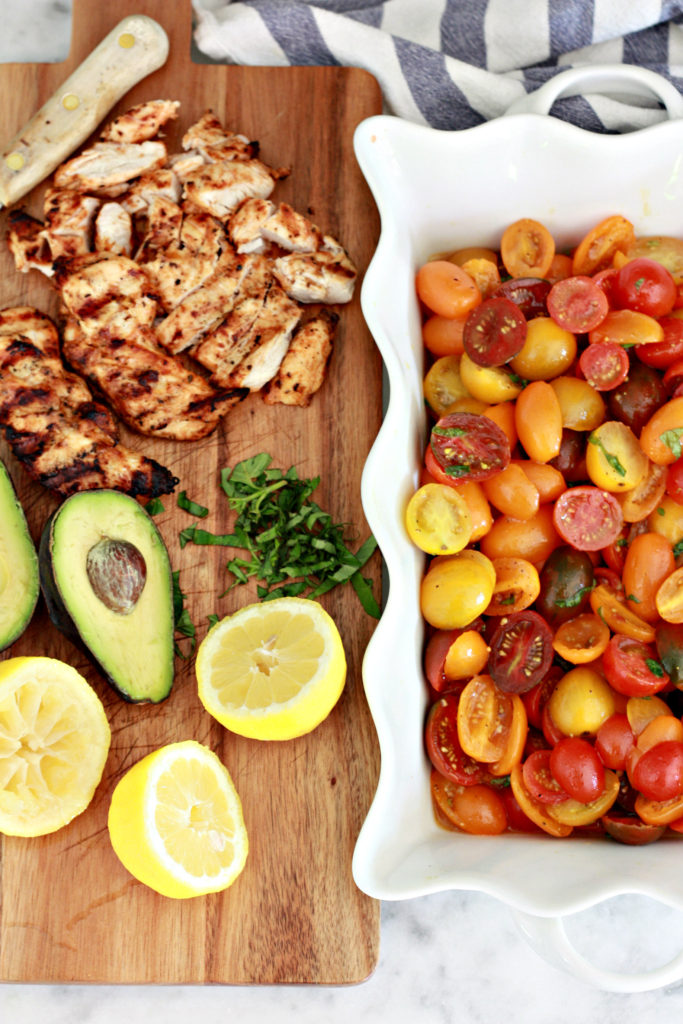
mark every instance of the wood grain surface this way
{"type": "Point", "coordinates": [70, 912]}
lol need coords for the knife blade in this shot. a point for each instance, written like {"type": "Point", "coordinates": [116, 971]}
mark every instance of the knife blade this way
{"type": "Point", "coordinates": [133, 49]}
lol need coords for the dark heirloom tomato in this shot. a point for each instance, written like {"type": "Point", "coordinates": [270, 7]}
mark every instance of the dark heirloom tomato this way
{"type": "Point", "coordinates": [632, 668]}
{"type": "Point", "coordinates": [629, 829]}
{"type": "Point", "coordinates": [577, 303]}
{"type": "Point", "coordinates": [669, 644]}
{"type": "Point", "coordinates": [588, 518]}
{"type": "Point", "coordinates": [646, 287]}
{"type": "Point", "coordinates": [605, 366]}
{"type": "Point", "coordinates": [443, 746]}
{"type": "Point", "coordinates": [521, 651]}
{"type": "Point", "coordinates": [636, 400]}
{"type": "Point", "coordinates": [566, 581]}
{"type": "Point", "coordinates": [468, 446]}
{"type": "Point", "coordinates": [571, 461]}
{"type": "Point", "coordinates": [528, 293]}
{"type": "Point", "coordinates": [494, 332]}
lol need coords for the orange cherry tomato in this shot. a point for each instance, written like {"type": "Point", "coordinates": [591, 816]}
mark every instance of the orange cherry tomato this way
{"type": "Point", "coordinates": [547, 480]}
{"type": "Point", "coordinates": [660, 438]}
{"type": "Point", "coordinates": [538, 419]}
{"type": "Point", "coordinates": [649, 561]}
{"type": "Point", "coordinates": [613, 610]}
{"type": "Point", "coordinates": [446, 289]}
{"type": "Point", "coordinates": [582, 639]}
{"type": "Point", "coordinates": [478, 810]}
{"type": "Point", "coordinates": [532, 539]}
{"type": "Point", "coordinates": [517, 586]}
{"type": "Point", "coordinates": [484, 272]}
{"type": "Point", "coordinates": [534, 809]}
{"type": "Point", "coordinates": [516, 740]}
{"type": "Point", "coordinates": [481, 518]}
{"type": "Point", "coordinates": [597, 248]}
{"type": "Point", "coordinates": [627, 327]}
{"type": "Point", "coordinates": [512, 492]}
{"type": "Point", "coordinates": [659, 730]}
{"type": "Point", "coordinates": [442, 336]}
{"type": "Point", "coordinates": [658, 812]}
{"type": "Point", "coordinates": [560, 267]}
{"type": "Point", "coordinates": [485, 716]}
{"type": "Point", "coordinates": [527, 248]}
{"type": "Point", "coordinates": [669, 597]}
{"type": "Point", "coordinates": [640, 502]}
{"type": "Point", "coordinates": [503, 413]}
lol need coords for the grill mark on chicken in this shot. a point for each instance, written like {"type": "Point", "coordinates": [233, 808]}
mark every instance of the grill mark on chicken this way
{"type": "Point", "coordinates": [141, 122]}
{"type": "Point", "coordinates": [27, 241]}
{"type": "Point", "coordinates": [302, 370]}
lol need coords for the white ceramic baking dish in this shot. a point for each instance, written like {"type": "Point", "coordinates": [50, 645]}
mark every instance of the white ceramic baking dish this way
{"type": "Point", "coordinates": [434, 191]}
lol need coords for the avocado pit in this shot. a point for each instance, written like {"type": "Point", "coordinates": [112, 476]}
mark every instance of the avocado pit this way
{"type": "Point", "coordinates": [117, 574]}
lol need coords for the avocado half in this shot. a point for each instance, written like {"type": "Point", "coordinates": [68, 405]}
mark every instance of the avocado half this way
{"type": "Point", "coordinates": [107, 582]}
{"type": "Point", "coordinates": [19, 583]}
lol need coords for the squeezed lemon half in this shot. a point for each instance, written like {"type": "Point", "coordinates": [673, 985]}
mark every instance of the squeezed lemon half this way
{"type": "Point", "coordinates": [272, 670]}
{"type": "Point", "coordinates": [54, 741]}
{"type": "Point", "coordinates": [176, 823]}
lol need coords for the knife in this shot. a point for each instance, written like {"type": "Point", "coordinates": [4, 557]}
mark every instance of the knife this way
{"type": "Point", "coordinates": [136, 47]}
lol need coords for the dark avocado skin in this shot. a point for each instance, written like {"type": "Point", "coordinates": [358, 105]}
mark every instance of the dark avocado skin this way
{"type": "Point", "coordinates": [67, 624]}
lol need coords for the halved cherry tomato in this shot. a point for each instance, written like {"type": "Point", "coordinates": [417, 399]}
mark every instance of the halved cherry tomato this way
{"type": "Point", "coordinates": [674, 480]}
{"type": "Point", "coordinates": [596, 249]}
{"type": "Point", "coordinates": [443, 746]}
{"type": "Point", "coordinates": [660, 438]}
{"type": "Point", "coordinates": [534, 809]}
{"type": "Point", "coordinates": [539, 779]}
{"type": "Point", "coordinates": [527, 248]}
{"type": "Point", "coordinates": [663, 354]}
{"type": "Point", "coordinates": [578, 769]}
{"type": "Point", "coordinates": [649, 561]}
{"type": "Point", "coordinates": [484, 272]}
{"type": "Point", "coordinates": [469, 446]}
{"type": "Point", "coordinates": [604, 366]}
{"type": "Point", "coordinates": [438, 519]}
{"type": "Point", "coordinates": [669, 643]}
{"type": "Point", "coordinates": [577, 304]}
{"type": "Point", "coordinates": [521, 651]}
{"type": "Point", "coordinates": [588, 518]}
{"type": "Point", "coordinates": [517, 586]}
{"type": "Point", "coordinates": [582, 639]}
{"type": "Point", "coordinates": [661, 728]}
{"type": "Point", "coordinates": [646, 286]}
{"type": "Point", "coordinates": [518, 821]}
{"type": "Point", "coordinates": [638, 503]}
{"type": "Point", "coordinates": [664, 249]}
{"type": "Point", "coordinates": [485, 716]}
{"type": "Point", "coordinates": [494, 332]}
{"type": "Point", "coordinates": [658, 812]}
{"type": "Point", "coordinates": [443, 386]}
{"type": "Point", "coordinates": [614, 459]}
{"type": "Point", "coordinates": [529, 293]}
{"type": "Point", "coordinates": [450, 651]}
{"type": "Point", "coordinates": [628, 829]}
{"type": "Point", "coordinates": [613, 741]}
{"type": "Point", "coordinates": [576, 812]}
{"type": "Point", "coordinates": [626, 327]}
{"type": "Point", "coordinates": [631, 667]}
{"type": "Point", "coordinates": [446, 289]}
{"type": "Point", "coordinates": [658, 772]}
{"type": "Point", "coordinates": [669, 597]}
{"type": "Point", "coordinates": [516, 741]}
{"type": "Point", "coordinates": [536, 698]}
{"type": "Point", "coordinates": [476, 809]}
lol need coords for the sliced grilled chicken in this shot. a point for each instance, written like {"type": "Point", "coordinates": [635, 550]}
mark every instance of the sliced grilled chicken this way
{"type": "Point", "coordinates": [113, 230]}
{"type": "Point", "coordinates": [291, 230]}
{"type": "Point", "coordinates": [153, 393]}
{"type": "Point", "coordinates": [302, 370]}
{"type": "Point", "coordinates": [244, 227]}
{"type": "Point", "coordinates": [63, 439]}
{"type": "Point", "coordinates": [219, 188]}
{"type": "Point", "coordinates": [208, 137]}
{"type": "Point", "coordinates": [141, 122]}
{"type": "Point", "coordinates": [164, 219]}
{"type": "Point", "coordinates": [109, 164]}
{"type": "Point", "coordinates": [109, 295]}
{"type": "Point", "coordinates": [249, 346]}
{"type": "Point", "coordinates": [317, 276]}
{"type": "Point", "coordinates": [187, 262]}
{"type": "Point", "coordinates": [27, 241]}
{"type": "Point", "coordinates": [69, 220]}
{"type": "Point", "coordinates": [162, 183]}
{"type": "Point", "coordinates": [184, 165]}
{"type": "Point", "coordinates": [205, 307]}
{"type": "Point", "coordinates": [33, 326]}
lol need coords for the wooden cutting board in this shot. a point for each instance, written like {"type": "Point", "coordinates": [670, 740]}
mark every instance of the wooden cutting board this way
{"type": "Point", "coordinates": [70, 912]}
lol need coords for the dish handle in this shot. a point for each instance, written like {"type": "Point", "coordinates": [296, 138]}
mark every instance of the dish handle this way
{"type": "Point", "coordinates": [548, 937]}
{"type": "Point", "coordinates": [601, 78]}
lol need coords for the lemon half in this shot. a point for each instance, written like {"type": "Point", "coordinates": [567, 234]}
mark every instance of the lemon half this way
{"type": "Point", "coordinates": [272, 670]}
{"type": "Point", "coordinates": [175, 822]}
{"type": "Point", "coordinates": [54, 741]}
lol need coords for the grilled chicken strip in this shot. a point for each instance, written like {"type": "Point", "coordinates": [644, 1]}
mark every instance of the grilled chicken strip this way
{"type": "Point", "coordinates": [208, 137]}
{"type": "Point", "coordinates": [219, 188]}
{"type": "Point", "coordinates": [141, 122]}
{"type": "Point", "coordinates": [177, 266]}
{"type": "Point", "coordinates": [27, 322]}
{"type": "Point", "coordinates": [113, 230]}
{"type": "Point", "coordinates": [107, 294]}
{"type": "Point", "coordinates": [302, 370]}
{"type": "Point", "coordinates": [151, 392]}
{"type": "Point", "coordinates": [320, 276]}
{"type": "Point", "coordinates": [162, 183]}
{"type": "Point", "coordinates": [64, 440]}
{"type": "Point", "coordinates": [109, 164]}
{"type": "Point", "coordinates": [27, 241]}
{"type": "Point", "coordinates": [246, 350]}
{"type": "Point", "coordinates": [69, 220]}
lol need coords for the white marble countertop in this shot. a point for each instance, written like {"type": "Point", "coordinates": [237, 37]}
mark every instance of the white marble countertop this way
{"type": "Point", "coordinates": [454, 956]}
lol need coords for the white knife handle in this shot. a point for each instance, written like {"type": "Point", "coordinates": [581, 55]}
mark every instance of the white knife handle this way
{"type": "Point", "coordinates": [136, 47]}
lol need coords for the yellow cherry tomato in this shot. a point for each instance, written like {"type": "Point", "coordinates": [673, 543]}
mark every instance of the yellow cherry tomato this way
{"type": "Point", "coordinates": [583, 408]}
{"type": "Point", "coordinates": [614, 459]}
{"type": "Point", "coordinates": [443, 384]}
{"type": "Point", "coordinates": [548, 350]}
{"type": "Point", "coordinates": [573, 812]}
{"type": "Point", "coordinates": [669, 597]}
{"type": "Point", "coordinates": [666, 518]}
{"type": "Point", "coordinates": [456, 589]}
{"type": "Point", "coordinates": [438, 519]}
{"type": "Point", "coordinates": [581, 701]}
{"type": "Point", "coordinates": [467, 656]}
{"type": "Point", "coordinates": [490, 384]}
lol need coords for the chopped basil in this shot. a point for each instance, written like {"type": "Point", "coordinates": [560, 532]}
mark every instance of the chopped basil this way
{"type": "Point", "coordinates": [672, 439]}
{"type": "Point", "coordinates": [154, 507]}
{"type": "Point", "coordinates": [191, 506]}
{"type": "Point", "coordinates": [655, 667]}
{"type": "Point", "coordinates": [611, 459]}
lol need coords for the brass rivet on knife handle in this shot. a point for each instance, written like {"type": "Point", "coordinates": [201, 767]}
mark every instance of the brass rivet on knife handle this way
{"type": "Point", "coordinates": [136, 47]}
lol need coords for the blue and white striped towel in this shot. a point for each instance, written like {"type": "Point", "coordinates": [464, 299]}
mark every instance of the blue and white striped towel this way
{"type": "Point", "coordinates": [455, 63]}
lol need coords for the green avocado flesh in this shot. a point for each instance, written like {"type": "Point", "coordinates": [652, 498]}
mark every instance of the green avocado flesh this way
{"type": "Point", "coordinates": [19, 585]}
{"type": "Point", "coordinates": [107, 582]}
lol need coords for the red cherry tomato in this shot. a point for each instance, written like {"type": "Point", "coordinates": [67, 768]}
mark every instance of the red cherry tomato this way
{"type": "Point", "coordinates": [578, 769]}
{"type": "Point", "coordinates": [662, 354]}
{"type": "Point", "coordinates": [539, 779]}
{"type": "Point", "coordinates": [468, 446]}
{"type": "Point", "coordinates": [658, 772]}
{"type": "Point", "coordinates": [605, 366]}
{"type": "Point", "coordinates": [494, 332]}
{"type": "Point", "coordinates": [443, 745]}
{"type": "Point", "coordinates": [588, 518]}
{"type": "Point", "coordinates": [521, 651]}
{"type": "Point", "coordinates": [577, 303]}
{"type": "Point", "coordinates": [645, 286]}
{"type": "Point", "coordinates": [629, 829]}
{"type": "Point", "coordinates": [613, 741]}
{"type": "Point", "coordinates": [632, 668]}
{"type": "Point", "coordinates": [529, 293]}
{"type": "Point", "coordinates": [674, 480]}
